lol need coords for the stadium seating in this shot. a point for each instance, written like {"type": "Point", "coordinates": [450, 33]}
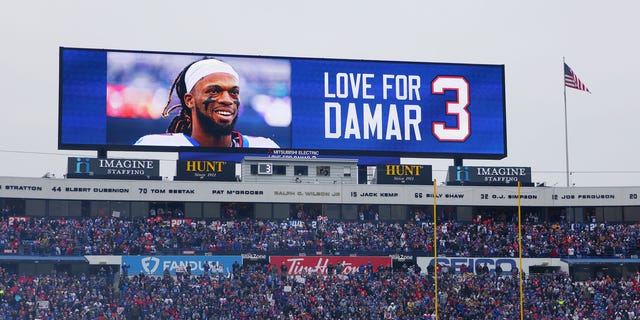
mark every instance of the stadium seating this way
{"type": "Point", "coordinates": [254, 292]}
{"type": "Point", "coordinates": [110, 235]}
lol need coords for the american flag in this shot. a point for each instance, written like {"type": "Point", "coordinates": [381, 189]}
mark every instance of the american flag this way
{"type": "Point", "coordinates": [572, 81]}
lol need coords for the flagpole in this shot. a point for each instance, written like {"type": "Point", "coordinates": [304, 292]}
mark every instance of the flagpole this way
{"type": "Point", "coordinates": [520, 253]}
{"type": "Point", "coordinates": [566, 130]}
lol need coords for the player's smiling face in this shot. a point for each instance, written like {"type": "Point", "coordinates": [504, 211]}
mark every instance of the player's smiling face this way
{"type": "Point", "coordinates": [215, 100]}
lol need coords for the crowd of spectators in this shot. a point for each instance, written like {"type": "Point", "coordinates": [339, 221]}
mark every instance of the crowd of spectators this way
{"type": "Point", "coordinates": [488, 238]}
{"type": "Point", "coordinates": [258, 292]}
{"type": "Point", "coordinates": [56, 296]}
{"type": "Point", "coordinates": [479, 238]}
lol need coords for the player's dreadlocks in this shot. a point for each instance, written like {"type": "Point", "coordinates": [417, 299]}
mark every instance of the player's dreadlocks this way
{"type": "Point", "coordinates": [181, 123]}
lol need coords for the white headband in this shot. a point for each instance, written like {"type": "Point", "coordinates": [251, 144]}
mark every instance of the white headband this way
{"type": "Point", "coordinates": [204, 68]}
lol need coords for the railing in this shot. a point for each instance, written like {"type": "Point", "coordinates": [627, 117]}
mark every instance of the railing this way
{"type": "Point", "coordinates": [29, 250]}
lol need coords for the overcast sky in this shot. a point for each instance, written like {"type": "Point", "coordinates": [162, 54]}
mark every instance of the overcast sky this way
{"type": "Point", "coordinates": [598, 38]}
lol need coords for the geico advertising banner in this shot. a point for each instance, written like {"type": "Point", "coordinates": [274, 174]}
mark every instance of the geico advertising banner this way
{"type": "Point", "coordinates": [404, 174]}
{"type": "Point", "coordinates": [297, 265]}
{"type": "Point", "coordinates": [117, 100]}
{"type": "Point", "coordinates": [78, 167]}
{"type": "Point", "coordinates": [206, 170]}
{"type": "Point", "coordinates": [508, 265]}
{"type": "Point", "coordinates": [468, 175]}
{"type": "Point", "coordinates": [155, 265]}
{"type": "Point", "coordinates": [202, 191]}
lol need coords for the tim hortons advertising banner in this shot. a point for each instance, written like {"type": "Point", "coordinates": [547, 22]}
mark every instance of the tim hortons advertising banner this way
{"type": "Point", "coordinates": [297, 265]}
{"type": "Point", "coordinates": [207, 170]}
{"type": "Point", "coordinates": [136, 169]}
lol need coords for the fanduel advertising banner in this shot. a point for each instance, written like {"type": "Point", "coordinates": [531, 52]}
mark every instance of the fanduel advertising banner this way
{"type": "Point", "coordinates": [208, 170]}
{"type": "Point", "coordinates": [404, 174]}
{"type": "Point", "coordinates": [491, 176]}
{"type": "Point", "coordinates": [117, 100]}
{"type": "Point", "coordinates": [97, 168]}
{"type": "Point", "coordinates": [155, 265]}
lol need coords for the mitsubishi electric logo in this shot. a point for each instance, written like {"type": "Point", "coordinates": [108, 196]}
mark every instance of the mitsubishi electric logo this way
{"type": "Point", "coordinates": [150, 264]}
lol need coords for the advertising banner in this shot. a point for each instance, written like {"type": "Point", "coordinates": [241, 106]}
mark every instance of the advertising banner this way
{"type": "Point", "coordinates": [129, 100]}
{"type": "Point", "coordinates": [97, 168]}
{"type": "Point", "coordinates": [508, 265]}
{"type": "Point", "coordinates": [489, 176]}
{"type": "Point", "coordinates": [155, 265]}
{"type": "Point", "coordinates": [254, 258]}
{"type": "Point", "coordinates": [404, 174]}
{"type": "Point", "coordinates": [207, 170]}
{"type": "Point", "coordinates": [297, 265]}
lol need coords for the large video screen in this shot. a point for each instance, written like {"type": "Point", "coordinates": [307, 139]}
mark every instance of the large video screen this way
{"type": "Point", "coordinates": [185, 102]}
